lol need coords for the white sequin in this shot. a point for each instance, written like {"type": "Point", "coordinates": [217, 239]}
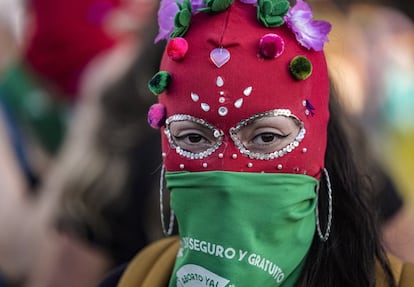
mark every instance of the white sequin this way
{"type": "Point", "coordinates": [205, 107]}
{"type": "Point", "coordinates": [238, 103]}
{"type": "Point", "coordinates": [195, 97]}
{"type": "Point", "coordinates": [219, 81]}
{"type": "Point", "coordinates": [223, 111]}
{"type": "Point", "coordinates": [217, 133]}
{"type": "Point", "coordinates": [247, 91]}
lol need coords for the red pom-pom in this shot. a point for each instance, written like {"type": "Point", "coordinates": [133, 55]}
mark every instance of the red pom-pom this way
{"type": "Point", "coordinates": [271, 46]}
{"type": "Point", "coordinates": [177, 48]}
{"type": "Point", "coordinates": [156, 116]}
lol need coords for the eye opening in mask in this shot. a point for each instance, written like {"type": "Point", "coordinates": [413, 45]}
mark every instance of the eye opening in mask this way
{"type": "Point", "coordinates": [268, 135]}
{"type": "Point", "coordinates": [192, 137]}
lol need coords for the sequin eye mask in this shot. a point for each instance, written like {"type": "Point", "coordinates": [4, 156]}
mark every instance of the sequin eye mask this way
{"type": "Point", "coordinates": [235, 133]}
{"type": "Point", "coordinates": [280, 133]}
{"type": "Point", "coordinates": [201, 135]}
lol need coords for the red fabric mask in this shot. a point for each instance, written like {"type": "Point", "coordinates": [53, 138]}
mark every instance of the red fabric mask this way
{"type": "Point", "coordinates": [246, 85]}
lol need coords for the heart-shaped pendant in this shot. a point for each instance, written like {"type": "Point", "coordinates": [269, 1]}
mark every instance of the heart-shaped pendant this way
{"type": "Point", "coordinates": [219, 56]}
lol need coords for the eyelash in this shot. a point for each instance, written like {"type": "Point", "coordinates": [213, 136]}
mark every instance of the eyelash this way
{"type": "Point", "coordinates": [275, 135]}
{"type": "Point", "coordinates": [189, 135]}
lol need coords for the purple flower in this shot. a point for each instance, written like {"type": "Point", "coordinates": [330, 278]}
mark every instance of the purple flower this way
{"type": "Point", "coordinates": [166, 14]}
{"type": "Point", "coordinates": [309, 33]}
{"type": "Point", "coordinates": [197, 4]}
{"type": "Point", "coordinates": [249, 1]}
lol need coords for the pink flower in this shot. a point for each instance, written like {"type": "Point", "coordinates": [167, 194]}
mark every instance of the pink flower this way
{"type": "Point", "coordinates": [309, 33]}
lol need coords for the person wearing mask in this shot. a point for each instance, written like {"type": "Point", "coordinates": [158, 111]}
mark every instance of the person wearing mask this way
{"type": "Point", "coordinates": [263, 181]}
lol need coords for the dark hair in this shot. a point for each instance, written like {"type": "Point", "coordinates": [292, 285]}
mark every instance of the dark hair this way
{"type": "Point", "coordinates": [350, 255]}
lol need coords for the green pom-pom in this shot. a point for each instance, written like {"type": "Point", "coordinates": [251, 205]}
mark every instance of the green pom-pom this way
{"type": "Point", "coordinates": [159, 82]}
{"type": "Point", "coordinates": [182, 19]}
{"type": "Point", "coordinates": [271, 12]}
{"type": "Point", "coordinates": [300, 67]}
{"type": "Point", "coordinates": [216, 5]}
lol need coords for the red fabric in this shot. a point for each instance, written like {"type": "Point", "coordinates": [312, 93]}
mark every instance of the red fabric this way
{"type": "Point", "coordinates": [273, 88]}
{"type": "Point", "coordinates": [67, 34]}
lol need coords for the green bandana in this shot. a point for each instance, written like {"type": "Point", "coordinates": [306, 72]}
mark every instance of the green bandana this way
{"type": "Point", "coordinates": [241, 229]}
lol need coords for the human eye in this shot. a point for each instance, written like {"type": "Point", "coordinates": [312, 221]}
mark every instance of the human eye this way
{"type": "Point", "coordinates": [193, 137]}
{"type": "Point", "coordinates": [266, 134]}
{"type": "Point", "coordinates": [267, 138]}
{"type": "Point", "coordinates": [192, 140]}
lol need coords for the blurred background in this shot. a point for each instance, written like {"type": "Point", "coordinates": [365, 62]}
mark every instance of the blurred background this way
{"type": "Point", "coordinates": [79, 166]}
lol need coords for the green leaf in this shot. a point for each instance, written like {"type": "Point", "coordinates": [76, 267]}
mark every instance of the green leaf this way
{"type": "Point", "coordinates": [271, 12]}
{"type": "Point", "coordinates": [216, 5]}
{"type": "Point", "coordinates": [281, 7]}
{"type": "Point", "coordinates": [182, 19]}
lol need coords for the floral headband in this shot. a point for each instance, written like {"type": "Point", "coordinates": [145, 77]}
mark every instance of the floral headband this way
{"type": "Point", "coordinates": [174, 18]}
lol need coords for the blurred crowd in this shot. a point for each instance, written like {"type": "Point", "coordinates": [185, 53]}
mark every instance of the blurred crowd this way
{"type": "Point", "coordinates": [80, 167]}
{"type": "Point", "coordinates": [78, 160]}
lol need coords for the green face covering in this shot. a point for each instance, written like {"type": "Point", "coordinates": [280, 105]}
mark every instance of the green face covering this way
{"type": "Point", "coordinates": [241, 229]}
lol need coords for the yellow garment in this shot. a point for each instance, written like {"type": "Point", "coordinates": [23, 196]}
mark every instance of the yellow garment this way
{"type": "Point", "coordinates": [152, 267]}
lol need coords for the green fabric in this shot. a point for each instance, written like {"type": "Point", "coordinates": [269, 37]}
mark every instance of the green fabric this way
{"type": "Point", "coordinates": [159, 82]}
{"type": "Point", "coordinates": [182, 19]}
{"type": "Point", "coordinates": [271, 12]}
{"type": "Point", "coordinates": [35, 109]}
{"type": "Point", "coordinates": [216, 5]}
{"type": "Point", "coordinates": [241, 229]}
